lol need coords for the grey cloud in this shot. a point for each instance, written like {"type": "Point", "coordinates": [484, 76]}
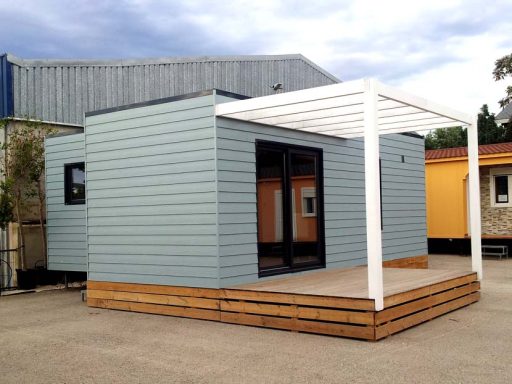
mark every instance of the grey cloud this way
{"type": "Point", "coordinates": [114, 29]}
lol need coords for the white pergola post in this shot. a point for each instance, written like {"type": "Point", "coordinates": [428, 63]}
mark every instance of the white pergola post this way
{"type": "Point", "coordinates": [372, 194]}
{"type": "Point", "coordinates": [474, 199]}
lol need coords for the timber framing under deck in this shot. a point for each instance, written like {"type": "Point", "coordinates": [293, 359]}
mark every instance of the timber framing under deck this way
{"type": "Point", "coordinates": [333, 302]}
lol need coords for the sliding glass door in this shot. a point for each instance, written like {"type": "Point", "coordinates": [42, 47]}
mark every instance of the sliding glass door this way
{"type": "Point", "coordinates": [290, 208]}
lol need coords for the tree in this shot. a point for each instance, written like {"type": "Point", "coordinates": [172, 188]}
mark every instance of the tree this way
{"type": "Point", "coordinates": [502, 69]}
{"type": "Point", "coordinates": [446, 138]}
{"type": "Point", "coordinates": [24, 176]}
{"type": "Point", "coordinates": [488, 133]}
{"type": "Point", "coordinates": [6, 205]}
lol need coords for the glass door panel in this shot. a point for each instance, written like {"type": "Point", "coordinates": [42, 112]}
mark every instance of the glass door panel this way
{"type": "Point", "coordinates": [303, 175]}
{"type": "Point", "coordinates": [271, 208]}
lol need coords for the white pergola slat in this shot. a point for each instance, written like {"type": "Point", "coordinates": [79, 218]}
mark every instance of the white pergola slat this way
{"type": "Point", "coordinates": [366, 108]}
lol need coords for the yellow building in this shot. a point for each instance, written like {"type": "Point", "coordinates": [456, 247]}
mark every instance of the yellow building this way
{"type": "Point", "coordinates": [446, 176]}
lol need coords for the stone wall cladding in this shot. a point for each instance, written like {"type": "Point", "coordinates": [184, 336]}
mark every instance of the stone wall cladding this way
{"type": "Point", "coordinates": [495, 220]}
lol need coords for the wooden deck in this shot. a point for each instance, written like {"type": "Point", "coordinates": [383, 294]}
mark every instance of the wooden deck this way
{"type": "Point", "coordinates": [331, 302]}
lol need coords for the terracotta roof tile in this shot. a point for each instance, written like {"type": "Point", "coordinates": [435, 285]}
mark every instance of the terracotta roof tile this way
{"type": "Point", "coordinates": [488, 149]}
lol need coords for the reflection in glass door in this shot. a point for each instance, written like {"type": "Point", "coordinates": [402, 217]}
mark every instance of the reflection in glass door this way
{"type": "Point", "coordinates": [290, 214]}
{"type": "Point", "coordinates": [269, 179]}
{"type": "Point", "coordinates": [304, 186]}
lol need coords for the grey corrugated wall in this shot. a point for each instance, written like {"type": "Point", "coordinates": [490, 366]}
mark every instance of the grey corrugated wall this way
{"type": "Point", "coordinates": [403, 197]}
{"type": "Point", "coordinates": [67, 247]}
{"type": "Point", "coordinates": [62, 91]}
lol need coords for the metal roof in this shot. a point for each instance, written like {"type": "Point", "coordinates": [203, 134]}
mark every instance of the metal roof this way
{"type": "Point", "coordinates": [62, 91]}
{"type": "Point", "coordinates": [339, 110]}
{"type": "Point", "coordinates": [487, 149]}
{"type": "Point", "coordinates": [505, 115]}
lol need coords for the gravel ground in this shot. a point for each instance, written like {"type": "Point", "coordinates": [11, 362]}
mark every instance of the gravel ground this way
{"type": "Point", "coordinates": [53, 337]}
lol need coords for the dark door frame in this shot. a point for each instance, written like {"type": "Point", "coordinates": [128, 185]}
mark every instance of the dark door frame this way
{"type": "Point", "coordinates": [288, 150]}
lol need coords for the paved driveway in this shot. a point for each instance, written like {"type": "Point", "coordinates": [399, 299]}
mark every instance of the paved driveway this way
{"type": "Point", "coordinates": [52, 337]}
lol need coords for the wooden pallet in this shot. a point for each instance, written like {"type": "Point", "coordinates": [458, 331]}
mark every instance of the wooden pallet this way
{"type": "Point", "coordinates": [327, 315]}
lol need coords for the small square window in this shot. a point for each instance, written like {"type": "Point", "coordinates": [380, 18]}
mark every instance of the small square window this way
{"type": "Point", "coordinates": [500, 181]}
{"type": "Point", "coordinates": [308, 202]}
{"type": "Point", "coordinates": [74, 183]}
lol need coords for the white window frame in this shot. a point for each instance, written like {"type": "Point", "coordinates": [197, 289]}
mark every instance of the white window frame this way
{"type": "Point", "coordinates": [500, 172]}
{"type": "Point", "coordinates": [308, 192]}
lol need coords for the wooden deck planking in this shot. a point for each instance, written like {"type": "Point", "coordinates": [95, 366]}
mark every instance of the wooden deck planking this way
{"type": "Point", "coordinates": [329, 302]}
{"type": "Point", "coordinates": [352, 282]}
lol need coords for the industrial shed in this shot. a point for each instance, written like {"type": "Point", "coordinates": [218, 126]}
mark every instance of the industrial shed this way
{"type": "Point", "coordinates": [194, 205]}
{"type": "Point", "coordinates": [61, 91]}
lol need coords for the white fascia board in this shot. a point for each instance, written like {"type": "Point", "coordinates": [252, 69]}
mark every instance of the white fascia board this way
{"type": "Point", "coordinates": [421, 103]}
{"type": "Point", "coordinates": [288, 98]}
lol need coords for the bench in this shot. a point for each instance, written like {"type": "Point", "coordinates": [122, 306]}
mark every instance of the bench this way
{"type": "Point", "coordinates": [495, 250]}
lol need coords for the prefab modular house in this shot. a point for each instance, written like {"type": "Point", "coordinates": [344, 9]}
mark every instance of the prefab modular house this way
{"type": "Point", "coordinates": [202, 205]}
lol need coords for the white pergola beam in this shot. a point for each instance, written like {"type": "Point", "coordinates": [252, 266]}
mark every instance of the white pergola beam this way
{"type": "Point", "coordinates": [417, 124]}
{"type": "Point", "coordinates": [421, 103]}
{"type": "Point", "coordinates": [416, 116]}
{"type": "Point", "coordinates": [372, 196]}
{"type": "Point", "coordinates": [349, 112]}
{"type": "Point", "coordinates": [290, 98]}
{"type": "Point", "coordinates": [323, 125]}
{"type": "Point", "coordinates": [321, 112]}
{"type": "Point", "coordinates": [277, 114]}
{"type": "Point", "coordinates": [474, 199]}
{"type": "Point", "coordinates": [356, 129]}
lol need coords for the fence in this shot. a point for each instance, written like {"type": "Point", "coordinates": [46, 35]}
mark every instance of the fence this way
{"type": "Point", "coordinates": [7, 268]}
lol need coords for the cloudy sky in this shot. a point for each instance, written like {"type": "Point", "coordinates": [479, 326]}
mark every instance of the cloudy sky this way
{"type": "Point", "coordinates": [444, 50]}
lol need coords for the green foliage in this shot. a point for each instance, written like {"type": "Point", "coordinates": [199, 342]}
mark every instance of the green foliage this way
{"type": "Point", "coordinates": [446, 138]}
{"type": "Point", "coordinates": [24, 172]}
{"type": "Point", "coordinates": [6, 205]}
{"type": "Point", "coordinates": [488, 133]}
{"type": "Point", "coordinates": [502, 69]}
{"type": "Point", "coordinates": [24, 156]}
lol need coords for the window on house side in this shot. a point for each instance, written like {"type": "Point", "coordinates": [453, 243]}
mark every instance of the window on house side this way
{"type": "Point", "coordinates": [500, 187]}
{"type": "Point", "coordinates": [74, 183]}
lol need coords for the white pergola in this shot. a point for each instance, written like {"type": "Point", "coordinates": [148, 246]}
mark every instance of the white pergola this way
{"type": "Point", "coordinates": [366, 108]}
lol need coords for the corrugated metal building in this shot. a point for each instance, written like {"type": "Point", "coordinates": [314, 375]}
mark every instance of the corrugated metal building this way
{"type": "Point", "coordinates": [61, 91]}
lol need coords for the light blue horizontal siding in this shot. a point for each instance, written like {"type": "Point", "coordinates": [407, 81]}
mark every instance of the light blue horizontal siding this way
{"type": "Point", "coordinates": [344, 202]}
{"type": "Point", "coordinates": [65, 224]}
{"type": "Point", "coordinates": [151, 191]}
{"type": "Point", "coordinates": [403, 197]}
